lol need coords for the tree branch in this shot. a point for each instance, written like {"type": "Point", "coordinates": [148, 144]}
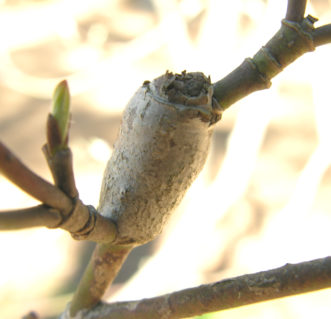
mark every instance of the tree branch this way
{"type": "Point", "coordinates": [102, 269]}
{"type": "Point", "coordinates": [162, 146]}
{"type": "Point", "coordinates": [295, 10]}
{"type": "Point", "coordinates": [83, 222]}
{"type": "Point", "coordinates": [60, 165]}
{"type": "Point", "coordinates": [322, 35]}
{"type": "Point", "coordinates": [56, 151]}
{"type": "Point", "coordinates": [30, 217]}
{"type": "Point", "coordinates": [291, 279]}
{"type": "Point", "coordinates": [31, 183]}
{"type": "Point", "coordinates": [289, 43]}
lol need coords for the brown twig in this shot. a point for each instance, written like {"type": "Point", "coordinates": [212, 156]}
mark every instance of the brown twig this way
{"type": "Point", "coordinates": [60, 165]}
{"type": "Point", "coordinates": [103, 267]}
{"type": "Point", "coordinates": [83, 222]}
{"type": "Point", "coordinates": [13, 169]}
{"type": "Point", "coordinates": [289, 280]}
{"type": "Point", "coordinates": [29, 217]}
{"type": "Point", "coordinates": [289, 43]}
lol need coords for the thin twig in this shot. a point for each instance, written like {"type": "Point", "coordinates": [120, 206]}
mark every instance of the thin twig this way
{"type": "Point", "coordinates": [291, 279]}
{"type": "Point", "coordinates": [322, 35]}
{"type": "Point", "coordinates": [295, 10]}
{"type": "Point", "coordinates": [29, 217]}
{"type": "Point", "coordinates": [13, 169]}
{"type": "Point", "coordinates": [61, 167]}
{"type": "Point", "coordinates": [83, 222]}
{"type": "Point", "coordinates": [102, 269]}
{"type": "Point", "coordinates": [289, 43]}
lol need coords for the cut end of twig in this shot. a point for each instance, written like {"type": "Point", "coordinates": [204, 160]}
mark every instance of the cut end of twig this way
{"type": "Point", "coordinates": [191, 89]}
{"type": "Point", "coordinates": [186, 88]}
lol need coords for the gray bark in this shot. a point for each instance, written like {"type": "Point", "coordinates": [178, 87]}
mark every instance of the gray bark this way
{"type": "Point", "coordinates": [162, 146]}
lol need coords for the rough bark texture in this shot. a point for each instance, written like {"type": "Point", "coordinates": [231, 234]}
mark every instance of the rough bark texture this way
{"type": "Point", "coordinates": [289, 280]}
{"type": "Point", "coordinates": [161, 148]}
{"type": "Point", "coordinates": [101, 270]}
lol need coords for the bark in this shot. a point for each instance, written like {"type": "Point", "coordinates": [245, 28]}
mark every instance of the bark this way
{"type": "Point", "coordinates": [162, 146]}
{"type": "Point", "coordinates": [30, 217]}
{"type": "Point", "coordinates": [100, 272]}
{"type": "Point", "coordinates": [59, 210]}
{"type": "Point", "coordinates": [291, 41]}
{"type": "Point", "coordinates": [289, 280]}
{"type": "Point", "coordinates": [13, 169]}
{"type": "Point", "coordinates": [295, 10]}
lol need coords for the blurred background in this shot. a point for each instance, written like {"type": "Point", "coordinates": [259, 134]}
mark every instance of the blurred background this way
{"type": "Point", "coordinates": [263, 199]}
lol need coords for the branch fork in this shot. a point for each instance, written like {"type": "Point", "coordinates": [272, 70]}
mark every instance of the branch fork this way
{"type": "Point", "coordinates": [162, 146]}
{"type": "Point", "coordinates": [61, 207]}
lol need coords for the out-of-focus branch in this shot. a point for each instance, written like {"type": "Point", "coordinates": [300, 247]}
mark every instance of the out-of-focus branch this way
{"type": "Point", "coordinates": [31, 315]}
{"type": "Point", "coordinates": [30, 217]}
{"type": "Point", "coordinates": [291, 279]}
{"type": "Point", "coordinates": [295, 10]}
{"type": "Point", "coordinates": [322, 35]}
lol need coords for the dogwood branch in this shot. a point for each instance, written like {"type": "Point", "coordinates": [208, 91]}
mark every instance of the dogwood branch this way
{"type": "Point", "coordinates": [295, 10]}
{"type": "Point", "coordinates": [291, 41]}
{"type": "Point", "coordinates": [144, 178]}
{"type": "Point", "coordinates": [289, 280]}
{"type": "Point", "coordinates": [30, 217]}
{"type": "Point", "coordinates": [322, 35]}
{"type": "Point", "coordinates": [14, 170]}
{"type": "Point", "coordinates": [83, 222]}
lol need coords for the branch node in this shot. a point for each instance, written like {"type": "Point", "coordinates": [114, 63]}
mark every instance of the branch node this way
{"type": "Point", "coordinates": [85, 223]}
{"type": "Point", "coordinates": [303, 30]}
{"type": "Point", "coordinates": [89, 225]}
{"type": "Point", "coordinates": [78, 219]}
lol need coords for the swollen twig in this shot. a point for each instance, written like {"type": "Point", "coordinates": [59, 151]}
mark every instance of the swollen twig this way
{"type": "Point", "coordinates": [60, 165]}
{"type": "Point", "coordinates": [162, 146]}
